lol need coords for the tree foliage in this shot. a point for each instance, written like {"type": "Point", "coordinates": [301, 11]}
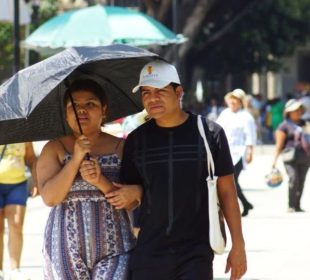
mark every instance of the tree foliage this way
{"type": "Point", "coordinates": [223, 36]}
{"type": "Point", "coordinates": [6, 48]}
{"type": "Point", "coordinates": [268, 31]}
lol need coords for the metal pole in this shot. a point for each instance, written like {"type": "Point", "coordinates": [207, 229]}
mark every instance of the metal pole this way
{"type": "Point", "coordinates": [16, 37]}
{"type": "Point", "coordinates": [175, 30]}
{"type": "Point", "coordinates": [174, 16]}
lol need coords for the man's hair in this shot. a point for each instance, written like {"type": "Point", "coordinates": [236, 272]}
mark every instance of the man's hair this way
{"type": "Point", "coordinates": [174, 85]}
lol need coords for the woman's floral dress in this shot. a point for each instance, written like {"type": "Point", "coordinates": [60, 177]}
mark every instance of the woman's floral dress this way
{"type": "Point", "coordinates": [85, 237]}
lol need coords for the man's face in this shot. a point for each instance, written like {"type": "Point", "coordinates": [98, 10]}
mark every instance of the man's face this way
{"type": "Point", "coordinates": [161, 103]}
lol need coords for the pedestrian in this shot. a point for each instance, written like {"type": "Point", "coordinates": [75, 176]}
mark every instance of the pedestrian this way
{"type": "Point", "coordinates": [13, 198]}
{"type": "Point", "coordinates": [166, 155]}
{"type": "Point", "coordinates": [240, 130]}
{"type": "Point", "coordinates": [292, 144]}
{"type": "Point", "coordinates": [85, 236]}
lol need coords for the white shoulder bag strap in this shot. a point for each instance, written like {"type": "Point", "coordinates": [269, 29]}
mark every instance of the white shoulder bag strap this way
{"type": "Point", "coordinates": [217, 240]}
{"type": "Point", "coordinates": [210, 161]}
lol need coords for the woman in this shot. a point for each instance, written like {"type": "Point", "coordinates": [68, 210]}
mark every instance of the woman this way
{"type": "Point", "coordinates": [240, 130]}
{"type": "Point", "coordinates": [290, 138]}
{"type": "Point", "coordinates": [86, 237]}
{"type": "Point", "coordinates": [13, 198]}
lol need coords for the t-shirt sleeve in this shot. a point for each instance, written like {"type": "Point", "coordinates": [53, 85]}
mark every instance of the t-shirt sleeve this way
{"type": "Point", "coordinates": [249, 130]}
{"type": "Point", "coordinates": [222, 158]}
{"type": "Point", "coordinates": [129, 174]}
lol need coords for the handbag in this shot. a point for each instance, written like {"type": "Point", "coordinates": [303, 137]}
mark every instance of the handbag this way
{"type": "Point", "coordinates": [217, 234]}
{"type": "Point", "coordinates": [288, 154]}
{"type": "Point", "coordinates": [274, 178]}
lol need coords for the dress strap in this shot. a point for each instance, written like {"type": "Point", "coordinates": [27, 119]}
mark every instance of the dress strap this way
{"type": "Point", "coordinates": [62, 144]}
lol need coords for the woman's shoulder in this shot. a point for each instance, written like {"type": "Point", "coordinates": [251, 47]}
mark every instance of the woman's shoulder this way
{"type": "Point", "coordinates": [112, 139]}
{"type": "Point", "coordinates": [56, 146]}
{"type": "Point", "coordinates": [115, 144]}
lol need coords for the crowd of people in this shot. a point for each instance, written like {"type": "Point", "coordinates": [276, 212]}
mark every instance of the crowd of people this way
{"type": "Point", "coordinates": [93, 181]}
{"type": "Point", "coordinates": [267, 113]}
{"type": "Point", "coordinates": [286, 123]}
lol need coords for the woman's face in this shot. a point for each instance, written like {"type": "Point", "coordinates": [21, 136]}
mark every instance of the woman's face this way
{"type": "Point", "coordinates": [295, 116]}
{"type": "Point", "coordinates": [234, 104]}
{"type": "Point", "coordinates": [89, 109]}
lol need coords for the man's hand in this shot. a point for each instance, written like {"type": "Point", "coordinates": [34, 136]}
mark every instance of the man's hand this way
{"type": "Point", "coordinates": [125, 197]}
{"type": "Point", "coordinates": [236, 263]}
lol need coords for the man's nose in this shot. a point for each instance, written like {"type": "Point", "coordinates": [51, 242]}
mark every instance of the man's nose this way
{"type": "Point", "coordinates": [153, 96]}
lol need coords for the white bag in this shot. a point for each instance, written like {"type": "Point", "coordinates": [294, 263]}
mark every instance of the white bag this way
{"type": "Point", "coordinates": [217, 235]}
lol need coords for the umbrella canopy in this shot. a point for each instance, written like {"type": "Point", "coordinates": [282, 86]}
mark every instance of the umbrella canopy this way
{"type": "Point", "coordinates": [98, 26]}
{"type": "Point", "coordinates": [32, 100]}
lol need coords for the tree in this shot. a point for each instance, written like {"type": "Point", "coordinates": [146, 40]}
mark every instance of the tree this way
{"type": "Point", "coordinates": [268, 32]}
{"type": "Point", "coordinates": [6, 50]}
{"type": "Point", "coordinates": [233, 38]}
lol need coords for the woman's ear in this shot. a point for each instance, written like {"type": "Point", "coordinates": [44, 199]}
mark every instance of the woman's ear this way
{"type": "Point", "coordinates": [104, 109]}
{"type": "Point", "coordinates": [104, 114]}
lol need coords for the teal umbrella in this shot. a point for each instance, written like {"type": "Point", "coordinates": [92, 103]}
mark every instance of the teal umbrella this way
{"type": "Point", "coordinates": [98, 26]}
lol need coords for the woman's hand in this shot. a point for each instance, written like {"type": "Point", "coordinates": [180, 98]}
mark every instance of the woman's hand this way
{"type": "Point", "coordinates": [249, 154]}
{"type": "Point", "coordinates": [90, 171]}
{"type": "Point", "coordinates": [82, 146]}
{"type": "Point", "coordinates": [125, 197]}
{"type": "Point", "coordinates": [34, 191]}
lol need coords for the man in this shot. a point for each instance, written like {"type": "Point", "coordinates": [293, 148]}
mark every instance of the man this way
{"type": "Point", "coordinates": [166, 157]}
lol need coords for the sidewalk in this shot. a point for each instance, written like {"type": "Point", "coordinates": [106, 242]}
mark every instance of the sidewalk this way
{"type": "Point", "coordinates": [277, 242]}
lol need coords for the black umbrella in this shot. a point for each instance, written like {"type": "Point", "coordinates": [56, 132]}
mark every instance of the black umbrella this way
{"type": "Point", "coordinates": [32, 100]}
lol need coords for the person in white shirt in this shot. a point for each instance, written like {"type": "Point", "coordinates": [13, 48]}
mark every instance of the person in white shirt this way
{"type": "Point", "coordinates": [240, 130]}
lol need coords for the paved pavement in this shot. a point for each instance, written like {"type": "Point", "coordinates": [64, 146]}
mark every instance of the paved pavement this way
{"type": "Point", "coordinates": [277, 242]}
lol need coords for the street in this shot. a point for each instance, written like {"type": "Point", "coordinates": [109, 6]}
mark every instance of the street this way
{"type": "Point", "coordinates": [277, 242]}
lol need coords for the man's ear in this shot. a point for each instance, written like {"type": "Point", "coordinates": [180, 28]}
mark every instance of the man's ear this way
{"type": "Point", "coordinates": [179, 91]}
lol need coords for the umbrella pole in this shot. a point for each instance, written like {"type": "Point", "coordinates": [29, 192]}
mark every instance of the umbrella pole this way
{"type": "Point", "coordinates": [75, 113]}
{"type": "Point", "coordinates": [77, 120]}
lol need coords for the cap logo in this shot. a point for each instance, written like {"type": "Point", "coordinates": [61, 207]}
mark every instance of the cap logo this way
{"type": "Point", "coordinates": [149, 69]}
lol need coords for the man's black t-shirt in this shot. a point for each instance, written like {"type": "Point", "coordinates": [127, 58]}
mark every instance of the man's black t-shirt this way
{"type": "Point", "coordinates": [170, 164]}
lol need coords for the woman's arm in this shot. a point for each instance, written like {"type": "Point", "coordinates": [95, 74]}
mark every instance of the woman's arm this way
{"type": "Point", "coordinates": [31, 161]}
{"type": "Point", "coordinates": [54, 178]}
{"type": "Point", "coordinates": [91, 172]}
{"type": "Point", "coordinates": [280, 137]}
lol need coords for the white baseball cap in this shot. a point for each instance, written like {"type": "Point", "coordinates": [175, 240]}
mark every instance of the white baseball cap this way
{"type": "Point", "coordinates": [157, 74]}
{"type": "Point", "coordinates": [292, 105]}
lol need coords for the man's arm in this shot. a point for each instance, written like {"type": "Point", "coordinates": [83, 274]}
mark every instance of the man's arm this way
{"type": "Point", "coordinates": [128, 194]}
{"type": "Point", "coordinates": [236, 261]}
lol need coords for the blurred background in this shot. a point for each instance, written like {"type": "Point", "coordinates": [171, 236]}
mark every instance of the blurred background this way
{"type": "Point", "coordinates": [261, 46]}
